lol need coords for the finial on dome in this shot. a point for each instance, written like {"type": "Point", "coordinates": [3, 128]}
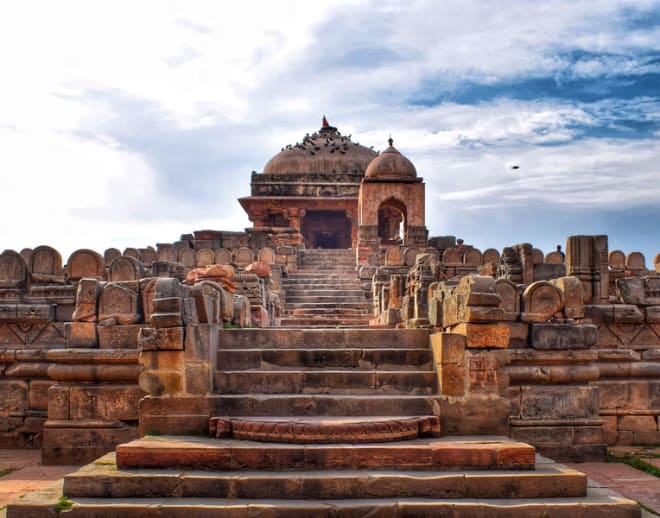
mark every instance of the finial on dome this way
{"type": "Point", "coordinates": [390, 140]}
{"type": "Point", "coordinates": [325, 122]}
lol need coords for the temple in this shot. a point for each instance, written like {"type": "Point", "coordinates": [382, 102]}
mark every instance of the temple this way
{"type": "Point", "coordinates": [330, 360]}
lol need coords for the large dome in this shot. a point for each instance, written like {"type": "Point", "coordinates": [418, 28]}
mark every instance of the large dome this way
{"type": "Point", "coordinates": [391, 165]}
{"type": "Point", "coordinates": [326, 151]}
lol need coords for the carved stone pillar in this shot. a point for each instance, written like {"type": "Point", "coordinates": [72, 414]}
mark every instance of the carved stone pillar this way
{"type": "Point", "coordinates": [294, 215]}
{"type": "Point", "coordinates": [258, 217]}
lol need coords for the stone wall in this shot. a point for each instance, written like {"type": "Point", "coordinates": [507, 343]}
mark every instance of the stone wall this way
{"type": "Point", "coordinates": [575, 358]}
{"type": "Point", "coordinates": [70, 353]}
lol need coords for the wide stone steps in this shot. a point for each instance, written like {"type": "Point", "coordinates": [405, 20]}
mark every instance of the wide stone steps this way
{"type": "Point", "coordinates": [424, 454]}
{"type": "Point", "coordinates": [337, 299]}
{"type": "Point", "coordinates": [104, 480]}
{"type": "Point", "coordinates": [345, 358]}
{"type": "Point", "coordinates": [365, 306]}
{"type": "Point", "coordinates": [326, 381]}
{"type": "Point", "coordinates": [322, 339]}
{"type": "Point", "coordinates": [320, 291]}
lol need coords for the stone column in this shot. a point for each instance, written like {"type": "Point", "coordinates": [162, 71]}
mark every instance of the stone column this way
{"type": "Point", "coordinates": [294, 215]}
{"type": "Point", "coordinates": [258, 217]}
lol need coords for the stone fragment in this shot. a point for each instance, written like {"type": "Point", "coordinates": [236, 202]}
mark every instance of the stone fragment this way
{"type": "Point", "coordinates": [87, 296]}
{"type": "Point", "coordinates": [450, 257]}
{"type": "Point", "coordinates": [394, 256]}
{"type": "Point", "coordinates": [261, 270]}
{"type": "Point", "coordinates": [617, 260]}
{"type": "Point", "coordinates": [118, 300]}
{"type": "Point", "coordinates": [222, 256]}
{"type": "Point", "coordinates": [635, 261]}
{"type": "Point", "coordinates": [81, 334]}
{"type": "Point", "coordinates": [555, 257]}
{"type": "Point", "coordinates": [208, 299]}
{"type": "Point", "coordinates": [46, 266]}
{"type": "Point", "coordinates": [119, 337]}
{"type": "Point", "coordinates": [472, 257]}
{"type": "Point", "coordinates": [204, 257]}
{"type": "Point", "coordinates": [483, 335]}
{"type": "Point", "coordinates": [125, 268]}
{"type": "Point", "coordinates": [13, 270]}
{"type": "Point", "coordinates": [85, 264]}
{"type": "Point", "coordinates": [110, 255]}
{"type": "Point", "coordinates": [187, 258]}
{"type": "Point", "coordinates": [490, 256]}
{"type": "Point", "coordinates": [168, 338]}
{"type": "Point", "coordinates": [148, 256]}
{"type": "Point", "coordinates": [571, 287]}
{"type": "Point", "coordinates": [475, 299]}
{"type": "Point", "coordinates": [562, 402]}
{"type": "Point", "coordinates": [13, 396]}
{"type": "Point", "coordinates": [242, 314]}
{"type": "Point", "coordinates": [244, 256]}
{"type": "Point", "coordinates": [266, 255]}
{"type": "Point", "coordinates": [510, 298]}
{"type": "Point", "coordinates": [541, 301]}
{"type": "Point", "coordinates": [563, 336]}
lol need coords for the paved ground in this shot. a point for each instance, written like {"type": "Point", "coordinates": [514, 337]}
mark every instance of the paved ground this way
{"type": "Point", "coordinates": [26, 474]}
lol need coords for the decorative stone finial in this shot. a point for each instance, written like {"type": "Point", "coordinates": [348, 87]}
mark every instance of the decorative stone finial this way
{"type": "Point", "coordinates": [325, 122]}
{"type": "Point", "coordinates": [390, 140]}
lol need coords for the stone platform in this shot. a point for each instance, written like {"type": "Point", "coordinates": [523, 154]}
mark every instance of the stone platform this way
{"type": "Point", "coordinates": [104, 489]}
{"type": "Point", "coordinates": [308, 430]}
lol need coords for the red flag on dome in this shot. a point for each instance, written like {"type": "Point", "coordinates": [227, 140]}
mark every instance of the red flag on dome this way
{"type": "Point", "coordinates": [325, 122]}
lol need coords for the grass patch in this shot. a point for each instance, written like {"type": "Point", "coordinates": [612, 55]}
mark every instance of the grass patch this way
{"type": "Point", "coordinates": [634, 461]}
{"type": "Point", "coordinates": [5, 472]}
{"type": "Point", "coordinates": [63, 504]}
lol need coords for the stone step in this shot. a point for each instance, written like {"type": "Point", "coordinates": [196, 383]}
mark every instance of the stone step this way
{"type": "Point", "coordinates": [325, 382]}
{"type": "Point", "coordinates": [303, 322]}
{"type": "Point", "coordinates": [325, 273]}
{"type": "Point", "coordinates": [325, 292]}
{"type": "Point", "coordinates": [366, 359]}
{"type": "Point", "coordinates": [599, 502]}
{"type": "Point", "coordinates": [325, 430]}
{"type": "Point", "coordinates": [418, 454]}
{"type": "Point", "coordinates": [330, 312]}
{"type": "Point", "coordinates": [103, 479]}
{"type": "Point", "coordinates": [367, 306]}
{"type": "Point", "coordinates": [335, 298]}
{"type": "Point", "coordinates": [321, 339]}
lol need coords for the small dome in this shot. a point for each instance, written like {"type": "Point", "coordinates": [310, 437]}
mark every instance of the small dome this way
{"type": "Point", "coordinates": [391, 165]}
{"type": "Point", "coordinates": [326, 151]}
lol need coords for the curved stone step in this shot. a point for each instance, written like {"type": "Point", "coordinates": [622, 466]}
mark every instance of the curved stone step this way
{"type": "Point", "coordinates": [325, 430]}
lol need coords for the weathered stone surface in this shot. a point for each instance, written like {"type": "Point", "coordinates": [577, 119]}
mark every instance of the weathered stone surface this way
{"type": "Point", "coordinates": [85, 263]}
{"type": "Point", "coordinates": [105, 402]}
{"type": "Point", "coordinates": [125, 268]}
{"type": "Point", "coordinates": [510, 297]}
{"type": "Point", "coordinates": [120, 301]}
{"type": "Point", "coordinates": [571, 287]}
{"type": "Point", "coordinates": [38, 394]}
{"type": "Point", "coordinates": [484, 335]}
{"type": "Point", "coordinates": [119, 337]}
{"type": "Point", "coordinates": [81, 334]}
{"type": "Point", "coordinates": [394, 256]}
{"type": "Point", "coordinates": [244, 256]}
{"type": "Point", "coordinates": [13, 270]}
{"type": "Point", "coordinates": [242, 314]}
{"type": "Point", "coordinates": [541, 301]}
{"type": "Point", "coordinates": [222, 256]}
{"type": "Point", "coordinates": [563, 336]}
{"type": "Point", "coordinates": [161, 339]}
{"type": "Point", "coordinates": [81, 372]}
{"type": "Point", "coordinates": [635, 261]}
{"type": "Point", "coordinates": [160, 382]}
{"type": "Point", "coordinates": [567, 402]}
{"type": "Point", "coordinates": [46, 266]}
{"type": "Point", "coordinates": [13, 396]}
{"type": "Point", "coordinates": [27, 313]}
{"type": "Point", "coordinates": [204, 257]}
{"type": "Point", "coordinates": [448, 348]}
{"type": "Point", "coordinates": [87, 296]}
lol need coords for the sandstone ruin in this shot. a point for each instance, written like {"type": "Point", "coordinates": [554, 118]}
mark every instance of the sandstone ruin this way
{"type": "Point", "coordinates": [330, 354]}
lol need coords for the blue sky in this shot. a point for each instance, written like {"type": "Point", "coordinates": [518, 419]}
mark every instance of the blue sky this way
{"type": "Point", "coordinates": [130, 123]}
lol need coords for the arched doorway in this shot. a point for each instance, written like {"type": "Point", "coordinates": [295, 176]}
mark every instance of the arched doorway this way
{"type": "Point", "coordinates": [392, 221]}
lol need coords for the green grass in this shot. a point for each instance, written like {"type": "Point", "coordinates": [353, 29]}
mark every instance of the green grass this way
{"type": "Point", "coordinates": [5, 472]}
{"type": "Point", "coordinates": [63, 504]}
{"type": "Point", "coordinates": [634, 461]}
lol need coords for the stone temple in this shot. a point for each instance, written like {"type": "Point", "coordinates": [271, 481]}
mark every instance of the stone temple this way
{"type": "Point", "coordinates": [330, 360]}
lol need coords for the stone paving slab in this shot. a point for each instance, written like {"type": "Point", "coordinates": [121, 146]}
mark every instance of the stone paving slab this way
{"type": "Point", "coordinates": [27, 474]}
{"type": "Point", "coordinates": [626, 480]}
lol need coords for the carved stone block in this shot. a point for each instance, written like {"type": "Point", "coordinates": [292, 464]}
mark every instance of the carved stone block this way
{"type": "Point", "coordinates": [81, 334]}
{"type": "Point", "coordinates": [13, 270]}
{"type": "Point", "coordinates": [484, 335]}
{"type": "Point", "coordinates": [125, 268]}
{"type": "Point", "coordinates": [85, 264]}
{"type": "Point", "coordinates": [120, 301]}
{"type": "Point", "coordinates": [168, 338]}
{"type": "Point", "coordinates": [563, 336]}
{"type": "Point", "coordinates": [87, 296]}
{"type": "Point", "coordinates": [541, 301]}
{"type": "Point", "coordinates": [46, 266]}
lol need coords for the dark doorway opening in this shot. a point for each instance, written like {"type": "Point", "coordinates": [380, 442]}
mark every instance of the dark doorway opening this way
{"type": "Point", "coordinates": [326, 229]}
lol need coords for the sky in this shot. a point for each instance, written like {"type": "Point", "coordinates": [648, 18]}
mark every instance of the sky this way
{"type": "Point", "coordinates": [126, 123]}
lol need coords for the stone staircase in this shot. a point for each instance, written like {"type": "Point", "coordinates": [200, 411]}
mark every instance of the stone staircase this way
{"type": "Point", "coordinates": [325, 292]}
{"type": "Point", "coordinates": [319, 423]}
